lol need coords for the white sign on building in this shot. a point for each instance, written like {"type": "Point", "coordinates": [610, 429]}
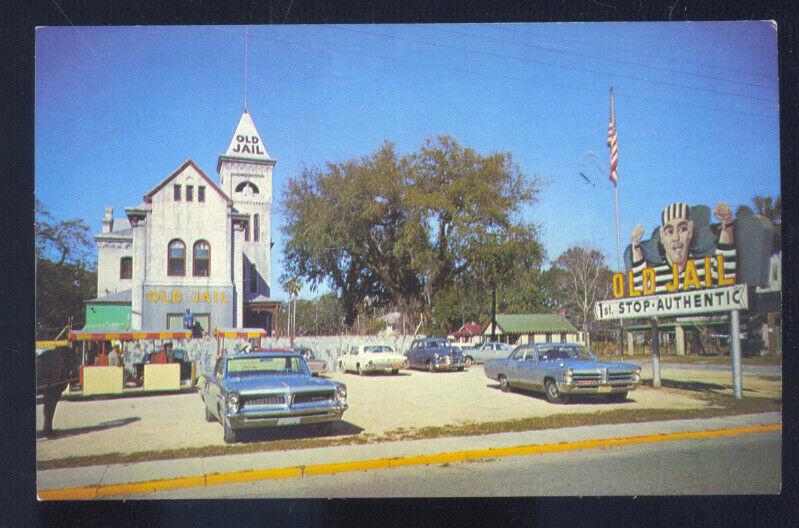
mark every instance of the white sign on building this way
{"type": "Point", "coordinates": [655, 306]}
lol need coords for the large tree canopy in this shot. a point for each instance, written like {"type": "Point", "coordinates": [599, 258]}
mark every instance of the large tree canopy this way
{"type": "Point", "coordinates": [64, 275]}
{"type": "Point", "coordinates": [398, 230]}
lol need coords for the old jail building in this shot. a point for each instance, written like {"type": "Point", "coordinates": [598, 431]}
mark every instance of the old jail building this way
{"type": "Point", "coordinates": [192, 243]}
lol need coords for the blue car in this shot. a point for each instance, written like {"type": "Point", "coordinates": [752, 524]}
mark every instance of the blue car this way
{"type": "Point", "coordinates": [269, 388]}
{"type": "Point", "coordinates": [434, 354]}
{"type": "Point", "coordinates": [561, 370]}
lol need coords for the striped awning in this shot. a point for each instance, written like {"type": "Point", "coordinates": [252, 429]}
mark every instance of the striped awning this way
{"type": "Point", "coordinates": [92, 335]}
{"type": "Point", "coordinates": [240, 333]}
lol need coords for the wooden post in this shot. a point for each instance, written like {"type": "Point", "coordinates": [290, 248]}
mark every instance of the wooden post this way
{"type": "Point", "coordinates": [735, 353]}
{"type": "Point", "coordinates": [655, 355]}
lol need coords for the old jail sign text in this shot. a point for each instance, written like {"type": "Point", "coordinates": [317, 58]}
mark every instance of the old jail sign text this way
{"type": "Point", "coordinates": [689, 280]}
{"type": "Point", "coordinates": [176, 296]}
{"type": "Point", "coordinates": [247, 145]}
{"type": "Point", "coordinates": [684, 303]}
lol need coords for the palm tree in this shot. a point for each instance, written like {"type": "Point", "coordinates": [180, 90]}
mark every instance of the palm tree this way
{"type": "Point", "coordinates": [768, 207]}
{"type": "Point", "coordinates": [292, 286]}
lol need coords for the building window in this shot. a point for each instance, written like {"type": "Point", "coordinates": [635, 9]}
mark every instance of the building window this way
{"type": "Point", "coordinates": [246, 231]}
{"type": "Point", "coordinates": [201, 259]}
{"type": "Point", "coordinates": [253, 278]}
{"type": "Point", "coordinates": [126, 268]}
{"type": "Point", "coordinates": [247, 188]}
{"type": "Point", "coordinates": [177, 193]}
{"type": "Point", "coordinates": [189, 193]}
{"type": "Point", "coordinates": [201, 193]}
{"type": "Point", "coordinates": [256, 228]}
{"type": "Point", "coordinates": [176, 265]}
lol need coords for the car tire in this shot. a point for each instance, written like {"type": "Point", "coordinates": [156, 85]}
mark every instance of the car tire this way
{"type": "Point", "coordinates": [552, 392]}
{"type": "Point", "coordinates": [617, 397]}
{"type": "Point", "coordinates": [229, 434]}
{"type": "Point", "coordinates": [208, 416]}
{"type": "Point", "coordinates": [504, 385]}
{"type": "Point", "coordinates": [468, 361]}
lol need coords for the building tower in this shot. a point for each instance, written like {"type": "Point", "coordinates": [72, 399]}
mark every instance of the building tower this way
{"type": "Point", "coordinates": [245, 173]}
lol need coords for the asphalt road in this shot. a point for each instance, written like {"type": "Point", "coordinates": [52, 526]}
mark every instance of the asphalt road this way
{"type": "Point", "coordinates": [749, 464]}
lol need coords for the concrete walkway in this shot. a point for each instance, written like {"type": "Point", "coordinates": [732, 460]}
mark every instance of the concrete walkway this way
{"type": "Point", "coordinates": [105, 475]}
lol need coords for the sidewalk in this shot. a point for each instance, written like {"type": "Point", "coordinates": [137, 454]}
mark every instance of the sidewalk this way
{"type": "Point", "coordinates": [104, 475]}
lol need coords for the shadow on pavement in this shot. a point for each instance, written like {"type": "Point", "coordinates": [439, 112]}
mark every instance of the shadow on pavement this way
{"type": "Point", "coordinates": [64, 433]}
{"type": "Point", "coordinates": [571, 398]}
{"type": "Point", "coordinates": [696, 386]}
{"type": "Point", "coordinates": [294, 432]}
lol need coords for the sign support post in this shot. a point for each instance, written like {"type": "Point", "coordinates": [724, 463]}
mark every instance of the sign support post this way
{"type": "Point", "coordinates": [735, 353]}
{"type": "Point", "coordinates": [655, 355]}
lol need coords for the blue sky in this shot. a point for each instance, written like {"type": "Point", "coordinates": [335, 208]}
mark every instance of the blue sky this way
{"type": "Point", "coordinates": [120, 108]}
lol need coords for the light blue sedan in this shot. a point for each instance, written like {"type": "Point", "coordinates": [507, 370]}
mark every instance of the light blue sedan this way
{"type": "Point", "coordinates": [486, 352]}
{"type": "Point", "coordinates": [269, 388]}
{"type": "Point", "coordinates": [561, 370]}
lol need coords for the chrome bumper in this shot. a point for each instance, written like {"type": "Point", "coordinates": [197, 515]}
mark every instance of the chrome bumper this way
{"type": "Point", "coordinates": [607, 388]}
{"type": "Point", "coordinates": [273, 418]}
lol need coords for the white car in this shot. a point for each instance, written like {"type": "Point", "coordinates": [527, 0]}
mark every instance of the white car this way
{"type": "Point", "coordinates": [371, 358]}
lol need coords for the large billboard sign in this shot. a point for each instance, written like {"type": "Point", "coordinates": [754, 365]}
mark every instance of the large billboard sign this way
{"type": "Point", "coordinates": [684, 303]}
{"type": "Point", "coordinates": [690, 265]}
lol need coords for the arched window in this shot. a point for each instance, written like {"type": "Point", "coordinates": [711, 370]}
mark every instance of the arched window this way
{"type": "Point", "coordinates": [201, 259]}
{"type": "Point", "coordinates": [176, 259]}
{"type": "Point", "coordinates": [247, 186]}
{"type": "Point", "coordinates": [256, 228]}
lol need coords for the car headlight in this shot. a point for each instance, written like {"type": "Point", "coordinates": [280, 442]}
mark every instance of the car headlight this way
{"type": "Point", "coordinates": [341, 394]}
{"type": "Point", "coordinates": [233, 402]}
{"type": "Point", "coordinates": [567, 375]}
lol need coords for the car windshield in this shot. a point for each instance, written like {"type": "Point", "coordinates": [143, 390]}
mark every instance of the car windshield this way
{"type": "Point", "coordinates": [265, 365]}
{"type": "Point", "coordinates": [564, 353]}
{"type": "Point", "coordinates": [377, 349]}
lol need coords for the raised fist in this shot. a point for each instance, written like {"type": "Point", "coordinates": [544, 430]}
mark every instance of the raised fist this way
{"type": "Point", "coordinates": [638, 232]}
{"type": "Point", "coordinates": [723, 212]}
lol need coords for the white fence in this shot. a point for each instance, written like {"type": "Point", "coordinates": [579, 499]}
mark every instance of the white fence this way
{"type": "Point", "coordinates": [203, 351]}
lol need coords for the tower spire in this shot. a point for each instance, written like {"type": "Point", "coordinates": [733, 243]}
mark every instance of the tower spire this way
{"type": "Point", "coordinates": [246, 34]}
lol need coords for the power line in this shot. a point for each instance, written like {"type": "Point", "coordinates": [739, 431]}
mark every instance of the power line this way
{"type": "Point", "coordinates": [568, 51]}
{"type": "Point", "coordinates": [660, 57]}
{"type": "Point", "coordinates": [576, 68]}
{"type": "Point", "coordinates": [481, 74]}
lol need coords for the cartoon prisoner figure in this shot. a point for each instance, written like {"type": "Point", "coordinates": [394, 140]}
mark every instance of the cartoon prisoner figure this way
{"type": "Point", "coordinates": [684, 252]}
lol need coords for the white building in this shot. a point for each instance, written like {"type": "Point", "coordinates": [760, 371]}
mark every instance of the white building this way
{"type": "Point", "coordinates": [193, 244]}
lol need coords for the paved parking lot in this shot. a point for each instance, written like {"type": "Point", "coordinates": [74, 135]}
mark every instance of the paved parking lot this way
{"type": "Point", "coordinates": [378, 403]}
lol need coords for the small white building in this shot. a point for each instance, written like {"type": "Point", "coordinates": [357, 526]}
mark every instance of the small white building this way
{"type": "Point", "coordinates": [193, 244]}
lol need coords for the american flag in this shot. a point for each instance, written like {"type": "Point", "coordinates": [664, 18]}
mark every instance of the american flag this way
{"type": "Point", "coordinates": [613, 143]}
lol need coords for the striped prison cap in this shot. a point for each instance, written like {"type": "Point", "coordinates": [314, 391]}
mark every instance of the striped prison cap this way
{"type": "Point", "coordinates": [675, 210]}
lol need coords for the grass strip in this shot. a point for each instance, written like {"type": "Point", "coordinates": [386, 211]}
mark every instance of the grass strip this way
{"type": "Point", "coordinates": [717, 405]}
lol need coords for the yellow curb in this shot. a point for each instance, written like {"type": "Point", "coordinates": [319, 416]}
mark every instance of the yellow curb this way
{"type": "Point", "coordinates": [379, 463]}
{"type": "Point", "coordinates": [252, 475]}
{"type": "Point", "coordinates": [68, 494]}
{"type": "Point", "coordinates": [150, 486]}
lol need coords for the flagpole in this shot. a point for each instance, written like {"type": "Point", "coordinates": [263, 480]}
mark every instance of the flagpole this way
{"type": "Point", "coordinates": [616, 191]}
{"type": "Point", "coordinates": [614, 172]}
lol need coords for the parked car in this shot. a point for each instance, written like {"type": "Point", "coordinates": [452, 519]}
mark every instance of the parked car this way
{"type": "Point", "coordinates": [487, 351]}
{"type": "Point", "coordinates": [434, 354]}
{"type": "Point", "coordinates": [316, 366]}
{"type": "Point", "coordinates": [266, 388]}
{"type": "Point", "coordinates": [561, 370]}
{"type": "Point", "coordinates": [371, 358]}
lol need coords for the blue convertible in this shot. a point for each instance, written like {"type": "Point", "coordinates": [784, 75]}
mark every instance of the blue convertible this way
{"type": "Point", "coordinates": [269, 388]}
{"type": "Point", "coordinates": [561, 370]}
